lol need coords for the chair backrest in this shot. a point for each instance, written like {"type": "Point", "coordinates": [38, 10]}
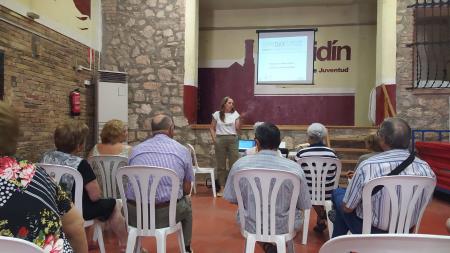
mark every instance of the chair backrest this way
{"type": "Point", "coordinates": [391, 243]}
{"type": "Point", "coordinates": [16, 245]}
{"type": "Point", "coordinates": [404, 196]}
{"type": "Point", "coordinates": [144, 180]}
{"type": "Point", "coordinates": [322, 175]}
{"type": "Point", "coordinates": [266, 198]}
{"type": "Point", "coordinates": [193, 154]}
{"type": "Point", "coordinates": [58, 171]}
{"type": "Point", "coordinates": [107, 166]}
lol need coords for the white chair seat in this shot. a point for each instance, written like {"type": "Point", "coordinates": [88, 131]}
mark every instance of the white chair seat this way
{"type": "Point", "coordinates": [138, 179]}
{"type": "Point", "coordinates": [107, 166]}
{"type": "Point", "coordinates": [57, 171]}
{"type": "Point", "coordinates": [401, 194]}
{"type": "Point", "coordinates": [201, 170]}
{"type": "Point", "coordinates": [387, 243]}
{"type": "Point", "coordinates": [322, 171]}
{"type": "Point", "coordinates": [265, 207]}
{"type": "Point", "coordinates": [16, 245]}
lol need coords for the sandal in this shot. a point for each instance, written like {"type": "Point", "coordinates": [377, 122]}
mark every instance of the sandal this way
{"type": "Point", "coordinates": [269, 247]}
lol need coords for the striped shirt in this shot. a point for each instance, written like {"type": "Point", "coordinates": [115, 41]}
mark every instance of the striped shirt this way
{"type": "Point", "coordinates": [163, 151]}
{"type": "Point", "coordinates": [271, 160]}
{"type": "Point", "coordinates": [377, 166]}
{"type": "Point", "coordinates": [317, 150]}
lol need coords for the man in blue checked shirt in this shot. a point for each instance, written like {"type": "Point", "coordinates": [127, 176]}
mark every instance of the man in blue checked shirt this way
{"type": "Point", "coordinates": [163, 151]}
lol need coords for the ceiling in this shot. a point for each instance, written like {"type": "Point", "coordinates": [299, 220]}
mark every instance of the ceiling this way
{"type": "Point", "coordinates": [256, 4]}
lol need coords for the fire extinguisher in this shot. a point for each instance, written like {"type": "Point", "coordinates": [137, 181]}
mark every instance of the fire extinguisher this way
{"type": "Point", "coordinates": [75, 104]}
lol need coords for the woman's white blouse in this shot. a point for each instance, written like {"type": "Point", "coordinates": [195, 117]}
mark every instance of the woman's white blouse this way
{"type": "Point", "coordinates": [228, 126]}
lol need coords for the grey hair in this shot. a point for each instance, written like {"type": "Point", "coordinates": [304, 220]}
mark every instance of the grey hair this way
{"type": "Point", "coordinates": [396, 133]}
{"type": "Point", "coordinates": [316, 132]}
{"type": "Point", "coordinates": [257, 124]}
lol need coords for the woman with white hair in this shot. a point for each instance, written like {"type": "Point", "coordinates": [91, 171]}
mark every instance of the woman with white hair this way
{"type": "Point", "coordinates": [316, 134]}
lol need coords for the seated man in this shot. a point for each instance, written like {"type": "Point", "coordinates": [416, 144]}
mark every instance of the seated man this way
{"type": "Point", "coordinates": [267, 138]}
{"type": "Point", "coordinates": [163, 151]}
{"type": "Point", "coordinates": [394, 138]}
{"type": "Point", "coordinates": [316, 133]}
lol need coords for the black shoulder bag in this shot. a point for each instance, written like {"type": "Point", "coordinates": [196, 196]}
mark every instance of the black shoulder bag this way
{"type": "Point", "coordinates": [402, 166]}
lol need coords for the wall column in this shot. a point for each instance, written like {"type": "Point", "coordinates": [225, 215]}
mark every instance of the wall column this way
{"type": "Point", "coordinates": [191, 61]}
{"type": "Point", "coordinates": [385, 54]}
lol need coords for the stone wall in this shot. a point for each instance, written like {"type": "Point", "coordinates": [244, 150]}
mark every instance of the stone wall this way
{"type": "Point", "coordinates": [293, 136]}
{"type": "Point", "coordinates": [39, 74]}
{"type": "Point", "coordinates": [422, 108]}
{"type": "Point", "coordinates": [146, 40]}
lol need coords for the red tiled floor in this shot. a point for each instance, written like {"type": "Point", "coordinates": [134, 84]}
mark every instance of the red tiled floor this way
{"type": "Point", "coordinates": [215, 229]}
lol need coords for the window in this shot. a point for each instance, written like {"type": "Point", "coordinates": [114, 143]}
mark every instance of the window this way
{"type": "Point", "coordinates": [431, 44]}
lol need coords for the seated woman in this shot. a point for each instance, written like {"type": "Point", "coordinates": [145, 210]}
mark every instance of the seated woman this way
{"type": "Point", "coordinates": [69, 141]}
{"type": "Point", "coordinates": [113, 134]}
{"type": "Point", "coordinates": [33, 207]}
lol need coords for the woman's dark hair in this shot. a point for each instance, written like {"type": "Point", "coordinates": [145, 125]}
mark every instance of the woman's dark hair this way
{"type": "Point", "coordinates": [222, 108]}
{"type": "Point", "coordinates": [268, 136]}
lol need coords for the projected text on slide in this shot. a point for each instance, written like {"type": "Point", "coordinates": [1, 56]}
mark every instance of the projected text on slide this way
{"type": "Point", "coordinates": [282, 59]}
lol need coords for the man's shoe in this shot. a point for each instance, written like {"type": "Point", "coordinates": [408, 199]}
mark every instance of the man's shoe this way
{"type": "Point", "coordinates": [188, 249]}
{"type": "Point", "coordinates": [320, 227]}
{"type": "Point", "coordinates": [332, 215]}
{"type": "Point", "coordinates": [269, 247]}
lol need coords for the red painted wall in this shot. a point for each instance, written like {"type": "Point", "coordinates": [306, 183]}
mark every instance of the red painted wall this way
{"type": "Point", "coordinates": [237, 82]}
{"type": "Point", "coordinates": [379, 113]}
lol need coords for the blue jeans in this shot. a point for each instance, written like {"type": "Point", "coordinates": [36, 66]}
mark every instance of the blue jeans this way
{"type": "Point", "coordinates": [345, 222]}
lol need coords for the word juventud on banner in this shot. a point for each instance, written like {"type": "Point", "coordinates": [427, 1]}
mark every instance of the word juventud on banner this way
{"type": "Point", "coordinates": [332, 52]}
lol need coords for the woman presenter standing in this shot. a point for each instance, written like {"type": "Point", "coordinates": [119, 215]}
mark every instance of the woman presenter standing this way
{"type": "Point", "coordinates": [224, 129]}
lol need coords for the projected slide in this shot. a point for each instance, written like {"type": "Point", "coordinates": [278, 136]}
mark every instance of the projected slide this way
{"type": "Point", "coordinates": [285, 58]}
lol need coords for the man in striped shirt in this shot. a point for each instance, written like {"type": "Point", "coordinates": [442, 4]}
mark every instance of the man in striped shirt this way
{"type": "Point", "coordinates": [163, 151]}
{"type": "Point", "coordinates": [267, 138]}
{"type": "Point", "coordinates": [394, 136]}
{"type": "Point", "coordinates": [316, 133]}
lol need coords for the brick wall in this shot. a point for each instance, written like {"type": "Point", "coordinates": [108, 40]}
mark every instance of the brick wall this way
{"type": "Point", "coordinates": [146, 40]}
{"type": "Point", "coordinates": [38, 78]}
{"type": "Point", "coordinates": [422, 108]}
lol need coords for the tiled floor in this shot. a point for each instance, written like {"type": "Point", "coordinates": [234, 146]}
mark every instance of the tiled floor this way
{"type": "Point", "coordinates": [215, 229]}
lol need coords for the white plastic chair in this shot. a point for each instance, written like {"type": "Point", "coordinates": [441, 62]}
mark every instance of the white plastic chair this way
{"type": "Point", "coordinates": [56, 172]}
{"type": "Point", "coordinates": [139, 178]}
{"type": "Point", "coordinates": [319, 169]}
{"type": "Point", "coordinates": [405, 194]}
{"type": "Point", "coordinates": [202, 170]}
{"type": "Point", "coordinates": [387, 243]}
{"type": "Point", "coordinates": [107, 166]}
{"type": "Point", "coordinates": [16, 245]}
{"type": "Point", "coordinates": [265, 224]}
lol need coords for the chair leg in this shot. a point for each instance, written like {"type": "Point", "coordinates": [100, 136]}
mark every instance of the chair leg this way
{"type": "Point", "coordinates": [328, 206]}
{"type": "Point", "coordinates": [250, 243]}
{"type": "Point", "coordinates": [306, 214]}
{"type": "Point", "coordinates": [160, 242]}
{"type": "Point", "coordinates": [99, 234]}
{"type": "Point", "coordinates": [290, 246]}
{"type": "Point", "coordinates": [131, 240]}
{"type": "Point", "coordinates": [194, 185]}
{"type": "Point", "coordinates": [281, 246]}
{"type": "Point", "coordinates": [138, 248]}
{"type": "Point", "coordinates": [213, 184]}
{"type": "Point", "coordinates": [181, 239]}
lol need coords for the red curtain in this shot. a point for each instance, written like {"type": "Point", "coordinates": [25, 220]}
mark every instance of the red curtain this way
{"type": "Point", "coordinates": [437, 155]}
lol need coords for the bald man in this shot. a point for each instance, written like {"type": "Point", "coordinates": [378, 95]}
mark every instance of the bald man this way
{"type": "Point", "coordinates": [163, 151]}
